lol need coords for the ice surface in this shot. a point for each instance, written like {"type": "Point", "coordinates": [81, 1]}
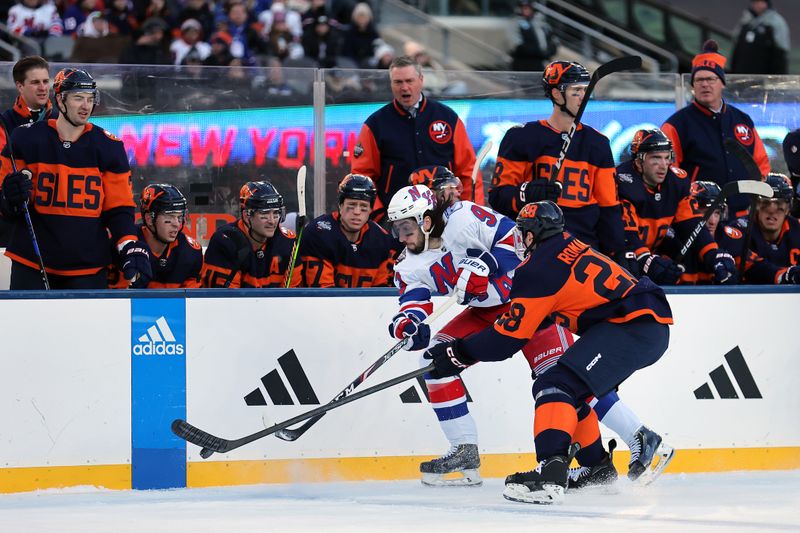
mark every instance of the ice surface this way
{"type": "Point", "coordinates": [745, 501]}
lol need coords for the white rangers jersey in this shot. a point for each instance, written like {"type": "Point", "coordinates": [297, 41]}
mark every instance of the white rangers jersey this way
{"type": "Point", "coordinates": [35, 22]}
{"type": "Point", "coordinates": [434, 272]}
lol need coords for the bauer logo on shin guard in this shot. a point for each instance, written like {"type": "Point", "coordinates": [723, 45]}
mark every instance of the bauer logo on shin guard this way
{"type": "Point", "coordinates": [159, 340]}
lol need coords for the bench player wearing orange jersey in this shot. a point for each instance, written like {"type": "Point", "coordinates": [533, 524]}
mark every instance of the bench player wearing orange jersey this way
{"type": "Point", "coordinates": [623, 327]}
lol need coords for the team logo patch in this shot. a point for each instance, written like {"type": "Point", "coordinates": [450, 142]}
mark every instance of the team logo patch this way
{"type": "Point", "coordinates": [324, 225]}
{"type": "Point", "coordinates": [744, 134]}
{"type": "Point", "coordinates": [678, 171]}
{"type": "Point", "coordinates": [733, 233]}
{"type": "Point", "coordinates": [625, 178]}
{"type": "Point", "coordinates": [193, 243]}
{"type": "Point", "coordinates": [111, 135]}
{"type": "Point", "coordinates": [358, 150]}
{"type": "Point", "coordinates": [287, 232]}
{"type": "Point", "coordinates": [440, 132]}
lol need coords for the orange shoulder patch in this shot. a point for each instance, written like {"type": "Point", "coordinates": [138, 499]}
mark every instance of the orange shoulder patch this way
{"type": "Point", "coordinates": [678, 171]}
{"type": "Point", "coordinates": [287, 232]}
{"type": "Point", "coordinates": [733, 233]}
{"type": "Point", "coordinates": [193, 243]}
{"type": "Point", "coordinates": [111, 136]}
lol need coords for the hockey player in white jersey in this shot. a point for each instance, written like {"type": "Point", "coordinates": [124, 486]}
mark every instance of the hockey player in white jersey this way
{"type": "Point", "coordinates": [469, 249]}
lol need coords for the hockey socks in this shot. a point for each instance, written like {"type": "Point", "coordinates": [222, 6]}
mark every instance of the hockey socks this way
{"type": "Point", "coordinates": [449, 401]}
{"type": "Point", "coordinates": [618, 417]}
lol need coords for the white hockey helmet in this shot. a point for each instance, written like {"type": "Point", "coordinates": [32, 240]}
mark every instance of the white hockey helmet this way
{"type": "Point", "coordinates": [411, 202]}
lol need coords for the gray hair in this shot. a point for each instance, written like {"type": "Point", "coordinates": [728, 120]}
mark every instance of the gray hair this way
{"type": "Point", "coordinates": [405, 61]}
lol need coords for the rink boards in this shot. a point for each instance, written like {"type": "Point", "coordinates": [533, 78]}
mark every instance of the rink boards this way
{"type": "Point", "coordinates": [91, 383]}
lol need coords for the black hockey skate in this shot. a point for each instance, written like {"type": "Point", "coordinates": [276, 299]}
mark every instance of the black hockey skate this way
{"type": "Point", "coordinates": [544, 485]}
{"type": "Point", "coordinates": [649, 456]}
{"type": "Point", "coordinates": [603, 475]}
{"type": "Point", "coordinates": [462, 460]}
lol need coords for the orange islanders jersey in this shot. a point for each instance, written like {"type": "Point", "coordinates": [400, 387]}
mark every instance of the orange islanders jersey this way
{"type": "Point", "coordinates": [178, 267]}
{"type": "Point", "coordinates": [331, 260]}
{"type": "Point", "coordinates": [81, 194]}
{"type": "Point", "coordinates": [231, 260]}
{"type": "Point", "coordinates": [577, 287]}
{"type": "Point", "coordinates": [589, 196]}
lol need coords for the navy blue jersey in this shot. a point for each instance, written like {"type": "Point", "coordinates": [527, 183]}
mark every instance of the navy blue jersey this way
{"type": "Point", "coordinates": [767, 261]}
{"type": "Point", "coordinates": [19, 115]}
{"type": "Point", "coordinates": [589, 197]}
{"type": "Point", "coordinates": [331, 260]}
{"type": "Point", "coordinates": [81, 194]}
{"type": "Point", "coordinates": [179, 266]}
{"type": "Point", "coordinates": [697, 136]}
{"type": "Point", "coordinates": [230, 256]}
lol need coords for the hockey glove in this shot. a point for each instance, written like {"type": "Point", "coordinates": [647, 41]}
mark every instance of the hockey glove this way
{"type": "Point", "coordinates": [661, 270]}
{"type": "Point", "coordinates": [537, 190]}
{"type": "Point", "coordinates": [410, 327]}
{"type": "Point", "coordinates": [17, 188]}
{"type": "Point", "coordinates": [136, 266]}
{"type": "Point", "coordinates": [724, 267]}
{"type": "Point", "coordinates": [792, 276]}
{"type": "Point", "coordinates": [473, 275]}
{"type": "Point", "coordinates": [447, 359]}
{"type": "Point", "coordinates": [627, 260]}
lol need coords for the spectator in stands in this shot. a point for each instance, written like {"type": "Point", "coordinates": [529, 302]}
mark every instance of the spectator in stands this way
{"type": "Point", "coordinates": [189, 41]}
{"type": "Point", "coordinates": [384, 55]}
{"type": "Point", "coordinates": [220, 50]}
{"type": "Point", "coordinates": [246, 42]}
{"type": "Point", "coordinates": [76, 14]}
{"type": "Point", "coordinates": [35, 18]}
{"type": "Point", "coordinates": [359, 40]}
{"type": "Point", "coordinates": [316, 9]}
{"type": "Point", "coordinates": [409, 132]}
{"type": "Point", "coordinates": [149, 48]}
{"type": "Point", "coordinates": [290, 18]}
{"type": "Point", "coordinates": [697, 131]}
{"type": "Point", "coordinates": [121, 18]}
{"type": "Point", "coordinates": [435, 76]}
{"type": "Point", "coordinates": [532, 39]}
{"type": "Point", "coordinates": [321, 42]}
{"type": "Point", "coordinates": [346, 248]}
{"type": "Point", "coordinates": [761, 41]}
{"type": "Point", "coordinates": [280, 40]}
{"type": "Point", "coordinates": [201, 12]}
{"type": "Point", "coordinates": [772, 244]}
{"type": "Point", "coordinates": [256, 250]}
{"type": "Point", "coordinates": [95, 26]}
{"type": "Point", "coordinates": [791, 154]}
{"type": "Point", "coordinates": [162, 10]}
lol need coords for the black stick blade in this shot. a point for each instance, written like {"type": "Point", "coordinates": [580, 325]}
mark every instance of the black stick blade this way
{"type": "Point", "coordinates": [741, 153]}
{"type": "Point", "coordinates": [617, 65]}
{"type": "Point", "coordinates": [197, 436]}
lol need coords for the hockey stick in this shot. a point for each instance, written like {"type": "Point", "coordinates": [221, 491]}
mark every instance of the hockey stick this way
{"type": "Point", "coordinates": [753, 173]}
{"type": "Point", "coordinates": [27, 214]}
{"type": "Point", "coordinates": [734, 187]}
{"type": "Point", "coordinates": [476, 170]}
{"type": "Point", "coordinates": [294, 434]}
{"type": "Point", "coordinates": [211, 444]}
{"type": "Point", "coordinates": [615, 65]}
{"type": "Point", "coordinates": [301, 221]}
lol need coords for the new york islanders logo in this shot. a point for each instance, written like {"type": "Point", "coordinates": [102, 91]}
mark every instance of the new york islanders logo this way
{"type": "Point", "coordinates": [733, 233]}
{"type": "Point", "coordinates": [744, 134]}
{"type": "Point", "coordinates": [440, 132]}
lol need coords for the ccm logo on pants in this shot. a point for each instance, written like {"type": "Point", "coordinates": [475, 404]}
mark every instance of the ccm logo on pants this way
{"type": "Point", "coordinates": [593, 362]}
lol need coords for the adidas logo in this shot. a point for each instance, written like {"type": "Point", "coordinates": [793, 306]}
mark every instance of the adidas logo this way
{"type": "Point", "coordinates": [410, 395]}
{"type": "Point", "coordinates": [276, 389]}
{"type": "Point", "coordinates": [158, 340]}
{"type": "Point", "coordinates": [722, 381]}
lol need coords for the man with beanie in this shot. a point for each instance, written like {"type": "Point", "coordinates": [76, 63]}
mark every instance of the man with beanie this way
{"type": "Point", "coordinates": [698, 130]}
{"type": "Point", "coordinates": [761, 41]}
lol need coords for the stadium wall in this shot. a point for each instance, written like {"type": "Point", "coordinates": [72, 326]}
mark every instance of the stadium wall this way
{"type": "Point", "coordinates": [91, 382]}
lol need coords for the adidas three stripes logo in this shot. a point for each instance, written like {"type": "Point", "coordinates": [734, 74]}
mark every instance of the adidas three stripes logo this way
{"type": "Point", "coordinates": [722, 381]}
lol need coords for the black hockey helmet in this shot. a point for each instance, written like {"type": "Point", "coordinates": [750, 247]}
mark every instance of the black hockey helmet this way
{"type": "Point", "coordinates": [260, 195]}
{"type": "Point", "coordinates": [561, 74]}
{"type": "Point", "coordinates": [434, 177]}
{"type": "Point", "coordinates": [781, 186]}
{"type": "Point", "coordinates": [653, 140]}
{"type": "Point", "coordinates": [357, 187]}
{"type": "Point", "coordinates": [74, 80]}
{"type": "Point", "coordinates": [705, 192]}
{"type": "Point", "coordinates": [544, 219]}
{"type": "Point", "coordinates": [162, 198]}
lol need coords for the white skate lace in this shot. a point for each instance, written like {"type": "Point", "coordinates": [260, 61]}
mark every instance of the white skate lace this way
{"type": "Point", "coordinates": [578, 472]}
{"type": "Point", "coordinates": [636, 448]}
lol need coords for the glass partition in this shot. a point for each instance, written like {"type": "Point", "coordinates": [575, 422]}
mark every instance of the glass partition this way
{"type": "Point", "coordinates": [208, 129]}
